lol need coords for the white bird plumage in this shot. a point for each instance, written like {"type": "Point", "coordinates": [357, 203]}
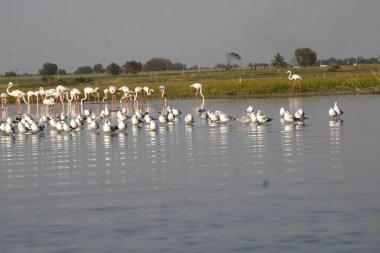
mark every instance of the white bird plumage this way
{"type": "Point", "coordinates": [296, 79]}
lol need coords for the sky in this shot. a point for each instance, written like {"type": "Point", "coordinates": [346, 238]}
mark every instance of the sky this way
{"type": "Point", "coordinates": [73, 33]}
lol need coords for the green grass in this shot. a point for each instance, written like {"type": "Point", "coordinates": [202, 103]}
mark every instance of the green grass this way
{"type": "Point", "coordinates": [254, 83]}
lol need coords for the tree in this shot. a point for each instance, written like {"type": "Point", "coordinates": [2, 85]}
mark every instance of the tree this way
{"type": "Point", "coordinates": [305, 56]}
{"type": "Point", "coordinates": [231, 56]}
{"type": "Point", "coordinates": [114, 69]}
{"type": "Point", "coordinates": [220, 66]}
{"type": "Point", "coordinates": [83, 70]}
{"type": "Point", "coordinates": [10, 74]}
{"type": "Point", "coordinates": [98, 68]}
{"type": "Point", "coordinates": [278, 61]}
{"type": "Point", "coordinates": [158, 64]}
{"type": "Point", "coordinates": [179, 66]}
{"type": "Point", "coordinates": [132, 67]}
{"type": "Point", "coordinates": [48, 69]}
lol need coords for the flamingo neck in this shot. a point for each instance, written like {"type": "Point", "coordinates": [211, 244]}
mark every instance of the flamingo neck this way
{"type": "Point", "coordinates": [67, 97]}
{"type": "Point", "coordinates": [290, 75]}
{"type": "Point", "coordinates": [200, 92]}
{"type": "Point", "coordinates": [9, 86]}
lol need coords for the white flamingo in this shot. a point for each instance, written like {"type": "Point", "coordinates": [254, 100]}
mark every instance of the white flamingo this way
{"type": "Point", "coordinates": [162, 89]}
{"type": "Point", "coordinates": [148, 91]}
{"type": "Point", "coordinates": [105, 91]}
{"type": "Point", "coordinates": [61, 91]}
{"type": "Point", "coordinates": [4, 100]}
{"type": "Point", "coordinates": [112, 89]}
{"type": "Point", "coordinates": [89, 90]}
{"type": "Point", "coordinates": [125, 91]}
{"type": "Point", "coordinates": [138, 89]}
{"type": "Point", "coordinates": [198, 90]}
{"type": "Point", "coordinates": [74, 94]}
{"type": "Point", "coordinates": [296, 79]}
{"type": "Point", "coordinates": [17, 94]}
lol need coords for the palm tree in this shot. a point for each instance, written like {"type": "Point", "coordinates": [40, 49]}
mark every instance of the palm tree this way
{"type": "Point", "coordinates": [278, 61]}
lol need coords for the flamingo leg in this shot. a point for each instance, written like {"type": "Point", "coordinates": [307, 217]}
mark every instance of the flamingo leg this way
{"type": "Point", "coordinates": [294, 84]}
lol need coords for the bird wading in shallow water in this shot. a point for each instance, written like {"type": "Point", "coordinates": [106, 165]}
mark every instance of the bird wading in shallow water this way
{"type": "Point", "coordinates": [198, 90]}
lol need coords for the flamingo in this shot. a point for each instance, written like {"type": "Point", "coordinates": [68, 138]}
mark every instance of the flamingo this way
{"type": "Point", "coordinates": [148, 91]}
{"type": "Point", "coordinates": [112, 89]}
{"type": "Point", "coordinates": [89, 90]}
{"type": "Point", "coordinates": [105, 91]}
{"type": "Point", "coordinates": [74, 93]}
{"type": "Point", "coordinates": [198, 89]}
{"type": "Point", "coordinates": [163, 89]}
{"type": "Point", "coordinates": [17, 94]}
{"type": "Point", "coordinates": [36, 94]}
{"type": "Point", "coordinates": [125, 90]}
{"type": "Point", "coordinates": [4, 100]}
{"type": "Point", "coordinates": [29, 94]}
{"type": "Point", "coordinates": [61, 90]}
{"type": "Point", "coordinates": [296, 78]}
{"type": "Point", "coordinates": [138, 89]}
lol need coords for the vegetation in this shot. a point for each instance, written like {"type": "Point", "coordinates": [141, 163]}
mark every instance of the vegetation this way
{"type": "Point", "coordinates": [230, 56]}
{"type": "Point", "coordinates": [132, 67]}
{"type": "Point", "coordinates": [98, 68]}
{"type": "Point", "coordinates": [114, 69]}
{"type": "Point", "coordinates": [278, 61]}
{"type": "Point", "coordinates": [305, 56]}
{"type": "Point", "coordinates": [83, 70]}
{"type": "Point", "coordinates": [158, 64]}
{"type": "Point", "coordinates": [254, 83]}
{"type": "Point", "coordinates": [49, 69]}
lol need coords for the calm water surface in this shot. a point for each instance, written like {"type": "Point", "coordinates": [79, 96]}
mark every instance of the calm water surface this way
{"type": "Point", "coordinates": [207, 188]}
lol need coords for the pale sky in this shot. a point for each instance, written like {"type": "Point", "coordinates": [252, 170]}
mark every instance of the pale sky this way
{"type": "Point", "coordinates": [73, 33]}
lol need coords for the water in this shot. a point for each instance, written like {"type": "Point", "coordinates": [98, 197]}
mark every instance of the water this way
{"type": "Point", "coordinates": [207, 188]}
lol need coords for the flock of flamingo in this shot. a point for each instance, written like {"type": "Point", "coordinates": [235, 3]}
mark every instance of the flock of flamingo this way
{"type": "Point", "coordinates": [25, 123]}
{"type": "Point", "coordinates": [50, 96]}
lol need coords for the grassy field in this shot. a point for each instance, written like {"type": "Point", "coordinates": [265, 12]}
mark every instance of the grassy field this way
{"type": "Point", "coordinates": [268, 82]}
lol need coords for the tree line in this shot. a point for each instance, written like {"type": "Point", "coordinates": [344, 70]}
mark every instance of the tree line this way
{"type": "Point", "coordinates": [302, 57]}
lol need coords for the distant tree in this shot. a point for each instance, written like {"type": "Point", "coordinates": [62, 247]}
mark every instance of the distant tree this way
{"type": "Point", "coordinates": [114, 69]}
{"type": "Point", "coordinates": [305, 56]}
{"type": "Point", "coordinates": [250, 65]}
{"type": "Point", "coordinates": [10, 74]}
{"type": "Point", "coordinates": [48, 69]}
{"type": "Point", "coordinates": [62, 71]}
{"type": "Point", "coordinates": [158, 64]}
{"type": "Point", "coordinates": [98, 68]}
{"type": "Point", "coordinates": [132, 67]}
{"type": "Point", "coordinates": [83, 70]}
{"type": "Point", "coordinates": [220, 66]}
{"type": "Point", "coordinates": [278, 61]}
{"type": "Point", "coordinates": [179, 66]}
{"type": "Point", "coordinates": [230, 56]}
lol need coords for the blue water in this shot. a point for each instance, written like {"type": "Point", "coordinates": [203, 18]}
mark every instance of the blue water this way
{"type": "Point", "coordinates": [206, 188]}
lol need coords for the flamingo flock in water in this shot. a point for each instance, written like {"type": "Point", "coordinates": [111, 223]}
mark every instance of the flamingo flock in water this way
{"type": "Point", "coordinates": [25, 123]}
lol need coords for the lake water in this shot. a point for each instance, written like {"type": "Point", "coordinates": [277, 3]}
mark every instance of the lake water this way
{"type": "Point", "coordinates": [206, 188]}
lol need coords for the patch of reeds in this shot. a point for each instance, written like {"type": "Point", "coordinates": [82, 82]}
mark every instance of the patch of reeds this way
{"type": "Point", "coordinates": [244, 83]}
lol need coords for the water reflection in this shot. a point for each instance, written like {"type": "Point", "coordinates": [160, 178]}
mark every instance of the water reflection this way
{"type": "Point", "coordinates": [292, 142]}
{"type": "Point", "coordinates": [335, 140]}
{"type": "Point", "coordinates": [257, 137]}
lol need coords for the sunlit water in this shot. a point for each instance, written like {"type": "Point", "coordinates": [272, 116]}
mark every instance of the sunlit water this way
{"type": "Point", "coordinates": [206, 188]}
